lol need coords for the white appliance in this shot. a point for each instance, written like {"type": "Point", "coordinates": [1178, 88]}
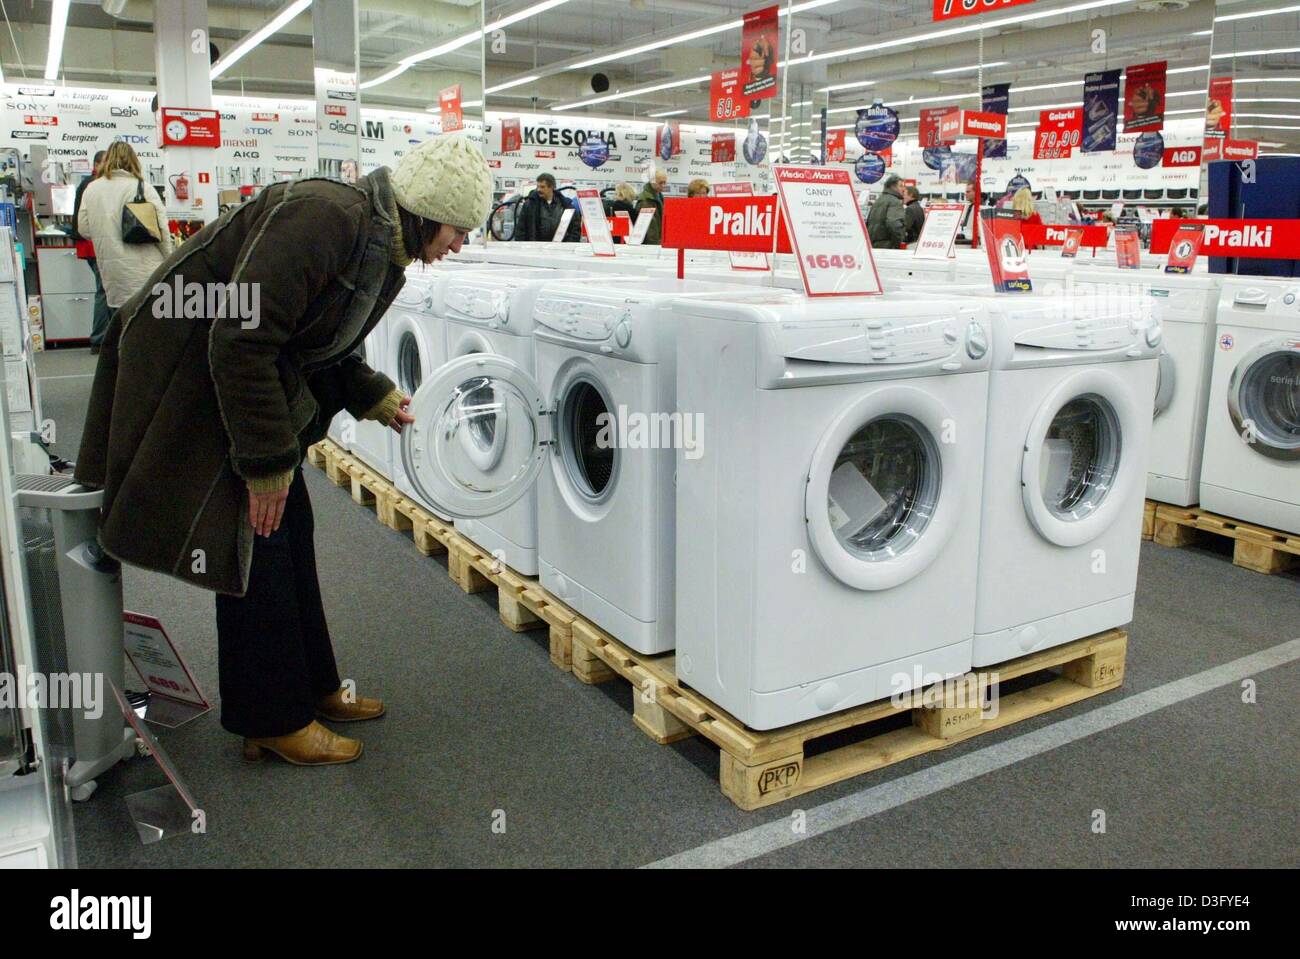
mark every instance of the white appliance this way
{"type": "Point", "coordinates": [1069, 419]}
{"type": "Point", "coordinates": [413, 347]}
{"type": "Point", "coordinates": [606, 359]}
{"type": "Point", "coordinates": [1252, 431]}
{"type": "Point", "coordinates": [826, 538]}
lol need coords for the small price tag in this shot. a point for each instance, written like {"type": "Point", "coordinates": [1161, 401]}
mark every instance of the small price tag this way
{"type": "Point", "coordinates": [562, 230]}
{"type": "Point", "coordinates": [829, 237]}
{"type": "Point", "coordinates": [593, 220]}
{"type": "Point", "coordinates": [939, 235]}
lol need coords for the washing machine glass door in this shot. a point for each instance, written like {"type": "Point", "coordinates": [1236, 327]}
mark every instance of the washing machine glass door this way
{"type": "Point", "coordinates": [1076, 469]}
{"type": "Point", "coordinates": [1166, 379]}
{"type": "Point", "coordinates": [881, 499]}
{"type": "Point", "coordinates": [409, 365]}
{"type": "Point", "coordinates": [458, 453]}
{"type": "Point", "coordinates": [1264, 398]}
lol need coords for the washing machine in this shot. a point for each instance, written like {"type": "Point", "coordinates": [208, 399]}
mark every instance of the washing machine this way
{"type": "Point", "coordinates": [827, 537]}
{"type": "Point", "coordinates": [1252, 431]}
{"type": "Point", "coordinates": [606, 504]}
{"type": "Point", "coordinates": [1069, 424]}
{"type": "Point", "coordinates": [413, 347]}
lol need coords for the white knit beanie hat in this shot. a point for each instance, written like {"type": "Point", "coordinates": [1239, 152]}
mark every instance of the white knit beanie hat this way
{"type": "Point", "coordinates": [445, 179]}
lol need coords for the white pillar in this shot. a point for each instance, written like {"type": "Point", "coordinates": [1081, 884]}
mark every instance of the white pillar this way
{"type": "Point", "coordinates": [338, 96]}
{"type": "Point", "coordinates": [182, 65]}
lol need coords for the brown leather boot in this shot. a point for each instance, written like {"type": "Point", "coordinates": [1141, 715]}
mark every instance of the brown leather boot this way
{"type": "Point", "coordinates": [313, 745]}
{"type": "Point", "coordinates": [336, 710]}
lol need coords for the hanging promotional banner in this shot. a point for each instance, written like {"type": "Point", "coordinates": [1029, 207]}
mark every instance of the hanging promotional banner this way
{"type": "Point", "coordinates": [725, 101]}
{"type": "Point", "coordinates": [1218, 108]}
{"type": "Point", "coordinates": [927, 133]}
{"type": "Point", "coordinates": [1181, 157]}
{"type": "Point", "coordinates": [190, 128]}
{"type": "Point", "coordinates": [1184, 247]}
{"type": "Point", "coordinates": [722, 148]}
{"type": "Point", "coordinates": [1128, 250]}
{"type": "Point", "coordinates": [876, 128]}
{"type": "Point", "coordinates": [1149, 151]}
{"type": "Point", "coordinates": [668, 140]}
{"type": "Point", "coordinates": [939, 234]}
{"type": "Point", "coordinates": [826, 228]}
{"type": "Point", "coordinates": [449, 109]}
{"type": "Point", "coordinates": [754, 147]}
{"type": "Point", "coordinates": [1264, 239]}
{"type": "Point", "coordinates": [594, 152]}
{"type": "Point", "coordinates": [1100, 111]}
{"type": "Point", "coordinates": [971, 123]}
{"type": "Point", "coordinates": [870, 167]}
{"type": "Point", "coordinates": [511, 137]}
{"type": "Point", "coordinates": [1005, 248]}
{"type": "Point", "coordinates": [1144, 97]}
{"type": "Point", "coordinates": [996, 99]}
{"type": "Point", "coordinates": [758, 54]}
{"type": "Point", "coordinates": [933, 157]}
{"type": "Point", "coordinates": [1059, 133]}
{"type": "Point", "coordinates": [1073, 237]}
{"type": "Point", "coordinates": [835, 146]}
{"type": "Point", "coordinates": [594, 223]}
{"type": "Point", "coordinates": [951, 9]}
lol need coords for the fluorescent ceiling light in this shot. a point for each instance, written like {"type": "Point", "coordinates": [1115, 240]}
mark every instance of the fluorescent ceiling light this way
{"type": "Point", "coordinates": [1265, 100]}
{"type": "Point", "coordinates": [1257, 13]}
{"type": "Point", "coordinates": [668, 113]}
{"type": "Point", "coordinates": [973, 66]}
{"type": "Point", "coordinates": [58, 26]}
{"type": "Point", "coordinates": [1264, 116]}
{"type": "Point", "coordinates": [846, 86]}
{"type": "Point", "coordinates": [513, 83]}
{"type": "Point", "coordinates": [1264, 126]}
{"type": "Point", "coordinates": [1253, 53]}
{"type": "Point", "coordinates": [251, 40]}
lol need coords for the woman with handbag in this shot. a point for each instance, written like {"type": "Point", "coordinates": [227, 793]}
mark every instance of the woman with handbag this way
{"type": "Point", "coordinates": [125, 220]}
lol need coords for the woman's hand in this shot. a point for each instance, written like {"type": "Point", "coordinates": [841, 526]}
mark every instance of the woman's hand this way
{"type": "Point", "coordinates": [401, 417]}
{"type": "Point", "coordinates": [265, 510]}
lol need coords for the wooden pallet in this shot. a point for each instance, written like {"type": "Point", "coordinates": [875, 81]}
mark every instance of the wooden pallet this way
{"type": "Point", "coordinates": [758, 769]}
{"type": "Point", "coordinates": [1149, 519]}
{"type": "Point", "coordinates": [1255, 548]}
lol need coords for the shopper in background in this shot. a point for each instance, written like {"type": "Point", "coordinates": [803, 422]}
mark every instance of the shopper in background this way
{"type": "Point", "coordinates": [913, 215]}
{"type": "Point", "coordinates": [886, 221]}
{"type": "Point", "coordinates": [970, 218]}
{"type": "Point", "coordinates": [698, 187]}
{"type": "Point", "coordinates": [652, 198]}
{"type": "Point", "coordinates": [123, 267]}
{"type": "Point", "coordinates": [622, 201]}
{"type": "Point", "coordinates": [1023, 204]}
{"type": "Point", "coordinates": [540, 213]}
{"type": "Point", "coordinates": [198, 424]}
{"type": "Point", "coordinates": [86, 251]}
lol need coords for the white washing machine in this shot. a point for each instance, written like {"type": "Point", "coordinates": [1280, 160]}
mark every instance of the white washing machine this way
{"type": "Point", "coordinates": [1069, 420]}
{"type": "Point", "coordinates": [606, 361]}
{"type": "Point", "coordinates": [1252, 431]}
{"type": "Point", "coordinates": [826, 538]}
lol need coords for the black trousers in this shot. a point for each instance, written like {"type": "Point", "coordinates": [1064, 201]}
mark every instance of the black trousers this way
{"type": "Point", "coordinates": [274, 655]}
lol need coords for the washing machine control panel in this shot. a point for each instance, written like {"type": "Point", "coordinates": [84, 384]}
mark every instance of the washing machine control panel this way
{"type": "Point", "coordinates": [478, 303]}
{"type": "Point", "coordinates": [908, 340]}
{"type": "Point", "coordinates": [583, 319]}
{"type": "Point", "coordinates": [1110, 331]}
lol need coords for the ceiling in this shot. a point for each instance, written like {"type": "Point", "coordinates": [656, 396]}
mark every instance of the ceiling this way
{"type": "Point", "coordinates": [536, 63]}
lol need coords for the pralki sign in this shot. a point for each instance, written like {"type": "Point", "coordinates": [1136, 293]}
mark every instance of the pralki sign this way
{"type": "Point", "coordinates": [1264, 239]}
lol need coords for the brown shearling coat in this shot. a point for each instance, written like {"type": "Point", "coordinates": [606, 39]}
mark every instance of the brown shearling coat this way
{"type": "Point", "coordinates": [183, 409]}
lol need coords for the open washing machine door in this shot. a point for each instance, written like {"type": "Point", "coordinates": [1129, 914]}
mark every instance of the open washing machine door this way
{"type": "Point", "coordinates": [459, 455]}
{"type": "Point", "coordinates": [1264, 398]}
{"type": "Point", "coordinates": [876, 505]}
{"type": "Point", "coordinates": [1076, 471]}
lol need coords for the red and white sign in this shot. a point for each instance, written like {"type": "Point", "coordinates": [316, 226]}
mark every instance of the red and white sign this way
{"type": "Point", "coordinates": [759, 54]}
{"type": "Point", "coordinates": [190, 128]}
{"type": "Point", "coordinates": [1184, 247]}
{"type": "Point", "coordinates": [33, 120]}
{"type": "Point", "coordinates": [1050, 234]}
{"type": "Point", "coordinates": [742, 260]}
{"type": "Point", "coordinates": [939, 234]}
{"type": "Point", "coordinates": [1218, 111]}
{"type": "Point", "coordinates": [637, 232]}
{"type": "Point", "coordinates": [449, 109]}
{"type": "Point", "coordinates": [1128, 250]}
{"type": "Point", "coordinates": [1262, 239]}
{"type": "Point", "coordinates": [1181, 156]}
{"type": "Point", "coordinates": [545, 154]}
{"type": "Point", "coordinates": [155, 659]}
{"type": "Point", "coordinates": [722, 148]}
{"type": "Point", "coordinates": [335, 110]}
{"type": "Point", "coordinates": [972, 123]}
{"type": "Point", "coordinates": [835, 146]}
{"type": "Point", "coordinates": [830, 239]}
{"type": "Point", "coordinates": [725, 101]}
{"type": "Point", "coordinates": [1005, 248]}
{"type": "Point", "coordinates": [673, 130]}
{"type": "Point", "coordinates": [512, 137]}
{"type": "Point", "coordinates": [1058, 133]}
{"type": "Point", "coordinates": [733, 189]}
{"type": "Point", "coordinates": [742, 223]}
{"type": "Point", "coordinates": [927, 133]}
{"type": "Point", "coordinates": [951, 9]}
{"type": "Point", "coordinates": [1144, 96]}
{"type": "Point", "coordinates": [1073, 237]}
{"type": "Point", "coordinates": [594, 223]}
{"type": "Point", "coordinates": [266, 118]}
{"type": "Point", "coordinates": [562, 230]}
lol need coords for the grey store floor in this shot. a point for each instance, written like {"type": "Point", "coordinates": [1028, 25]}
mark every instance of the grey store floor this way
{"type": "Point", "coordinates": [480, 724]}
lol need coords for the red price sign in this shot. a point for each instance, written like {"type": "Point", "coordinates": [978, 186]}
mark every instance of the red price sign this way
{"type": "Point", "coordinates": [1059, 133]}
{"type": "Point", "coordinates": [951, 9]}
{"type": "Point", "coordinates": [928, 132]}
{"type": "Point", "coordinates": [725, 101]}
{"type": "Point", "coordinates": [831, 261]}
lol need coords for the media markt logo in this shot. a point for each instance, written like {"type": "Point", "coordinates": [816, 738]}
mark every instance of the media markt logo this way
{"type": "Point", "coordinates": [75, 912]}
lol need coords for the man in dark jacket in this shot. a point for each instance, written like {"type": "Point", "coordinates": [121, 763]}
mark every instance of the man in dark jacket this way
{"type": "Point", "coordinates": [885, 222]}
{"type": "Point", "coordinates": [913, 215]}
{"type": "Point", "coordinates": [200, 415]}
{"type": "Point", "coordinates": [652, 201]}
{"type": "Point", "coordinates": [86, 251]}
{"type": "Point", "coordinates": [541, 212]}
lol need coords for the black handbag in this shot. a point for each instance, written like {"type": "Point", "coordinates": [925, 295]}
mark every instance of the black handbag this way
{"type": "Point", "coordinates": [140, 219]}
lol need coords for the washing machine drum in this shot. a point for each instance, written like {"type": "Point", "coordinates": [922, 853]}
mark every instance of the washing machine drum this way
{"type": "Point", "coordinates": [1264, 399]}
{"type": "Point", "coordinates": [1080, 459]}
{"type": "Point", "coordinates": [589, 456]}
{"type": "Point", "coordinates": [409, 368]}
